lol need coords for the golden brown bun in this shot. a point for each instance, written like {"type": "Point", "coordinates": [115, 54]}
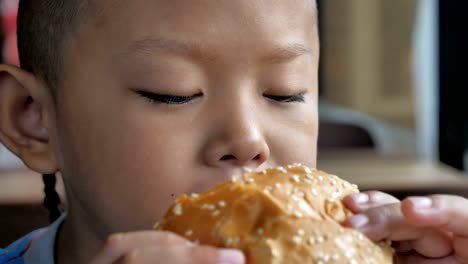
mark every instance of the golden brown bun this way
{"type": "Point", "coordinates": [282, 215]}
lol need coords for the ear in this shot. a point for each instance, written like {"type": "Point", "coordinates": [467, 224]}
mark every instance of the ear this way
{"type": "Point", "coordinates": [24, 122]}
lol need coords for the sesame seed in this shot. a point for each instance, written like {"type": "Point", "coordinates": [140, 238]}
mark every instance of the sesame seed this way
{"type": "Point", "coordinates": [301, 232]}
{"type": "Point", "coordinates": [320, 177]}
{"type": "Point", "coordinates": [314, 191]}
{"type": "Point", "coordinates": [250, 180]}
{"type": "Point", "coordinates": [298, 214]}
{"type": "Point", "coordinates": [156, 225]}
{"type": "Point", "coordinates": [320, 239]}
{"type": "Point", "coordinates": [263, 172]}
{"type": "Point", "coordinates": [222, 203]}
{"type": "Point", "coordinates": [296, 178]}
{"type": "Point", "coordinates": [248, 170]}
{"type": "Point", "coordinates": [307, 170]}
{"type": "Point", "coordinates": [311, 240]}
{"type": "Point", "coordinates": [308, 181]}
{"type": "Point", "coordinates": [194, 195]}
{"type": "Point", "coordinates": [209, 207]}
{"type": "Point", "coordinates": [295, 198]}
{"type": "Point", "coordinates": [296, 240]}
{"type": "Point", "coordinates": [177, 209]}
{"type": "Point", "coordinates": [275, 253]}
{"type": "Point", "coordinates": [278, 185]}
{"type": "Point", "coordinates": [260, 231]}
{"type": "Point", "coordinates": [188, 233]}
{"type": "Point", "coordinates": [282, 170]}
{"type": "Point", "coordinates": [216, 213]}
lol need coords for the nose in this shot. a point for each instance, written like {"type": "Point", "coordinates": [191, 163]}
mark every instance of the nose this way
{"type": "Point", "coordinates": [239, 142]}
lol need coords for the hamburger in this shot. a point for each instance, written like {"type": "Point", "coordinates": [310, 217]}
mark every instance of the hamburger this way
{"type": "Point", "coordinates": [281, 215]}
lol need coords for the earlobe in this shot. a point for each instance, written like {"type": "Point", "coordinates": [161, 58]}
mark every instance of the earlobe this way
{"type": "Point", "coordinates": [23, 128]}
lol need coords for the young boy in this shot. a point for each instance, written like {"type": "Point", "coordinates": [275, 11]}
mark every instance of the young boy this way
{"type": "Point", "coordinates": [136, 102]}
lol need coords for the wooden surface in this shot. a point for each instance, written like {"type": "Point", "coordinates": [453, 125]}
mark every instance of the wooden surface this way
{"type": "Point", "coordinates": [393, 173]}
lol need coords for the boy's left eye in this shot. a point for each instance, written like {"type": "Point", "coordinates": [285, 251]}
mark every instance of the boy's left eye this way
{"type": "Point", "coordinates": [287, 99]}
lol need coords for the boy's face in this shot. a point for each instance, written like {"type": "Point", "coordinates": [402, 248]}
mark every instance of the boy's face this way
{"type": "Point", "coordinates": [232, 84]}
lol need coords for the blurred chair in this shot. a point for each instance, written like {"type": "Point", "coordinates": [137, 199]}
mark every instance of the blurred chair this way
{"type": "Point", "coordinates": [342, 128]}
{"type": "Point", "coordinates": [334, 135]}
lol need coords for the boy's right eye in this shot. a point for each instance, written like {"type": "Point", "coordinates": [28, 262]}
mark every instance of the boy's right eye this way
{"type": "Point", "coordinates": [168, 99]}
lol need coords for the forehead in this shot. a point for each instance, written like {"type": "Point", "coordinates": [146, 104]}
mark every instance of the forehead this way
{"type": "Point", "coordinates": [206, 20]}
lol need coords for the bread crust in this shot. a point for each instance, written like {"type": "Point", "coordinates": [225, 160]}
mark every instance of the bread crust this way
{"type": "Point", "coordinates": [289, 214]}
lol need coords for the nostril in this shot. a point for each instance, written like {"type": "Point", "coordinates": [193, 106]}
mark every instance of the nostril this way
{"type": "Point", "coordinates": [228, 157]}
{"type": "Point", "coordinates": [258, 157]}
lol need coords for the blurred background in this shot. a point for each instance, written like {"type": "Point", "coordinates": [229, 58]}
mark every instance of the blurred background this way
{"type": "Point", "coordinates": [393, 95]}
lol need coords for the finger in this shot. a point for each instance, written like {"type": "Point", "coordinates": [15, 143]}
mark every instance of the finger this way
{"type": "Point", "coordinates": [444, 211]}
{"type": "Point", "coordinates": [117, 244]}
{"type": "Point", "coordinates": [416, 258]}
{"type": "Point", "coordinates": [388, 222]}
{"type": "Point", "coordinates": [184, 254]}
{"type": "Point", "coordinates": [433, 244]}
{"type": "Point", "coordinates": [360, 202]}
{"type": "Point", "coordinates": [383, 222]}
{"type": "Point", "coordinates": [447, 212]}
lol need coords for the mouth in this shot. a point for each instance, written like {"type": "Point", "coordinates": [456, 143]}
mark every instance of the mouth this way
{"type": "Point", "coordinates": [226, 174]}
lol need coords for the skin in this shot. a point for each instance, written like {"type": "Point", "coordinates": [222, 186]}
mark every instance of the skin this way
{"type": "Point", "coordinates": [124, 158]}
{"type": "Point", "coordinates": [424, 230]}
{"type": "Point", "coordinates": [249, 69]}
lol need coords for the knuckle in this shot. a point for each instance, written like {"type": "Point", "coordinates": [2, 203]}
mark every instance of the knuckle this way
{"type": "Point", "coordinates": [114, 240]}
{"type": "Point", "coordinates": [166, 237]}
{"type": "Point", "coordinates": [204, 254]}
{"type": "Point", "coordinates": [378, 197]}
{"type": "Point", "coordinates": [384, 214]}
{"type": "Point", "coordinates": [131, 256]}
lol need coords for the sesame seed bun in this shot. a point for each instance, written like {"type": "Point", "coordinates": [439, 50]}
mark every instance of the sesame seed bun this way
{"type": "Point", "coordinates": [284, 215]}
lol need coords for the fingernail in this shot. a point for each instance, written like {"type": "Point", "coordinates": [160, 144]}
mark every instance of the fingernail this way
{"type": "Point", "coordinates": [421, 202]}
{"type": "Point", "coordinates": [358, 221]}
{"type": "Point", "coordinates": [361, 198]}
{"type": "Point", "coordinates": [231, 256]}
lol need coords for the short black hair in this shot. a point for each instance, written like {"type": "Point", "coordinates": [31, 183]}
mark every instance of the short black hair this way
{"type": "Point", "coordinates": [44, 27]}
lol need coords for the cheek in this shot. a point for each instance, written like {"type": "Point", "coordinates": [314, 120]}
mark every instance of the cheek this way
{"type": "Point", "coordinates": [294, 139]}
{"type": "Point", "coordinates": [116, 161]}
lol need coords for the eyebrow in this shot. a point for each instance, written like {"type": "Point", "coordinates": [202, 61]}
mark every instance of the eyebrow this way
{"type": "Point", "coordinates": [151, 45]}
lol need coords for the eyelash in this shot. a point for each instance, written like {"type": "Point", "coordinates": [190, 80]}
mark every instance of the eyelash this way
{"type": "Point", "coordinates": [178, 100]}
{"type": "Point", "coordinates": [168, 99]}
{"type": "Point", "coordinates": [297, 98]}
